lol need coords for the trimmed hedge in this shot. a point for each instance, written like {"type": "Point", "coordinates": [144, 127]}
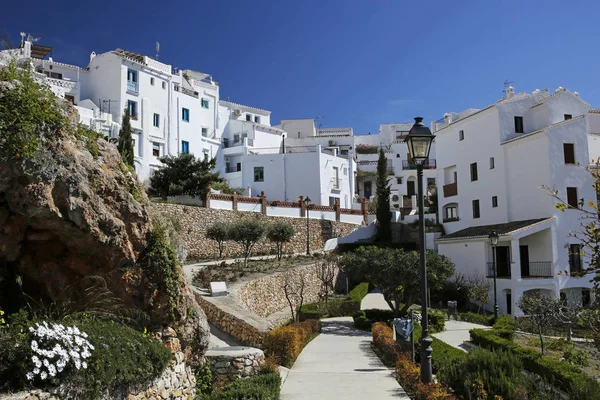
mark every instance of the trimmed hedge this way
{"type": "Point", "coordinates": [475, 318]}
{"type": "Point", "coordinates": [331, 309]}
{"type": "Point", "coordinates": [258, 387]}
{"type": "Point", "coordinates": [437, 321]}
{"type": "Point", "coordinates": [286, 343]}
{"type": "Point", "coordinates": [359, 292]}
{"type": "Point", "coordinates": [565, 376]}
{"type": "Point", "coordinates": [363, 319]}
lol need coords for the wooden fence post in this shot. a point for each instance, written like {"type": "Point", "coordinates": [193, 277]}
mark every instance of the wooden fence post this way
{"type": "Point", "coordinates": [337, 210]}
{"type": "Point", "coordinates": [234, 199]}
{"type": "Point", "coordinates": [263, 203]}
{"type": "Point", "coordinates": [302, 207]}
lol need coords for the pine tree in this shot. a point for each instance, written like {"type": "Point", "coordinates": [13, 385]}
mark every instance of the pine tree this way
{"type": "Point", "coordinates": [125, 145]}
{"type": "Point", "coordinates": [384, 215]}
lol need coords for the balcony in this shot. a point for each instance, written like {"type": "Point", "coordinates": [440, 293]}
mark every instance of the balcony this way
{"type": "Point", "coordinates": [183, 90]}
{"type": "Point", "coordinates": [451, 190]}
{"type": "Point", "coordinates": [229, 169]}
{"type": "Point", "coordinates": [132, 87]}
{"type": "Point", "coordinates": [537, 269]}
{"type": "Point", "coordinates": [503, 270]}
{"type": "Point", "coordinates": [429, 164]}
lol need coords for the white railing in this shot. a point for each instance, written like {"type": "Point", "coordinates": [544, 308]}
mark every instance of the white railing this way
{"type": "Point", "coordinates": [156, 65]}
{"type": "Point", "coordinates": [67, 85]}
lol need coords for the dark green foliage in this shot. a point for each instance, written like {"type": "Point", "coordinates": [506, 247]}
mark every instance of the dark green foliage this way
{"type": "Point", "coordinates": [258, 387]}
{"type": "Point", "coordinates": [454, 289]}
{"type": "Point", "coordinates": [183, 175]}
{"type": "Point", "coordinates": [125, 144]}
{"type": "Point", "coordinates": [219, 232]}
{"type": "Point", "coordinates": [203, 379]}
{"type": "Point", "coordinates": [397, 273]}
{"type": "Point", "coordinates": [331, 309]}
{"type": "Point", "coordinates": [437, 321]}
{"type": "Point", "coordinates": [476, 318]}
{"type": "Point", "coordinates": [280, 233]}
{"type": "Point", "coordinates": [384, 214]}
{"type": "Point", "coordinates": [159, 263]}
{"type": "Point", "coordinates": [15, 353]}
{"type": "Point", "coordinates": [26, 112]}
{"type": "Point", "coordinates": [246, 232]}
{"type": "Point", "coordinates": [505, 327]}
{"type": "Point", "coordinates": [359, 292]}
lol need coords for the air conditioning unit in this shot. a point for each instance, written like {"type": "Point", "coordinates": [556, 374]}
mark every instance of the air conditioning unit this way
{"type": "Point", "coordinates": [237, 113]}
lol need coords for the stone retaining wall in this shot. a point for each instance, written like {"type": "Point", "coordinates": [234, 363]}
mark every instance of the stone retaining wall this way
{"type": "Point", "coordinates": [235, 361]}
{"type": "Point", "coordinates": [177, 382]}
{"type": "Point", "coordinates": [265, 296]}
{"type": "Point", "coordinates": [195, 220]}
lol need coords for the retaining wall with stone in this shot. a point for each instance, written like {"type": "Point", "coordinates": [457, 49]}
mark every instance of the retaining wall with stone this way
{"type": "Point", "coordinates": [235, 361]}
{"type": "Point", "coordinates": [193, 222]}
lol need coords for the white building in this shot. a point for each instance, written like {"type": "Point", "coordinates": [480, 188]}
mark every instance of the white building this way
{"type": "Point", "coordinates": [491, 165]}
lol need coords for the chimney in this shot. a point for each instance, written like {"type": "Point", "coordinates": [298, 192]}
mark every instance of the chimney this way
{"type": "Point", "coordinates": [576, 94]}
{"type": "Point", "coordinates": [92, 55]}
{"type": "Point", "coordinates": [447, 118]}
{"type": "Point", "coordinates": [510, 91]}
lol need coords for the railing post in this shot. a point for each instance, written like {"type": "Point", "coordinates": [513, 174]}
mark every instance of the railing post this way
{"type": "Point", "coordinates": [234, 199]}
{"type": "Point", "coordinates": [365, 211]}
{"type": "Point", "coordinates": [337, 210]}
{"type": "Point", "coordinates": [207, 198]}
{"type": "Point", "coordinates": [302, 207]}
{"type": "Point", "coordinates": [263, 203]}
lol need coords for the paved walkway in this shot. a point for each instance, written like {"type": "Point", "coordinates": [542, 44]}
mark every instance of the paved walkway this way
{"type": "Point", "coordinates": [339, 364]}
{"type": "Point", "coordinates": [374, 301]}
{"type": "Point", "coordinates": [457, 333]}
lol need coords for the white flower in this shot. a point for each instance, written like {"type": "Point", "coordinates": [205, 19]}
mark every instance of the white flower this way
{"type": "Point", "coordinates": [43, 375]}
{"type": "Point", "coordinates": [34, 345]}
{"type": "Point", "coordinates": [36, 371]}
{"type": "Point", "coordinates": [77, 364]}
{"type": "Point", "coordinates": [84, 365]}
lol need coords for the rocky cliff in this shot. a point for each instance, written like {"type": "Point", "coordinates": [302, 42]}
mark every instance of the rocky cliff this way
{"type": "Point", "coordinates": [71, 210]}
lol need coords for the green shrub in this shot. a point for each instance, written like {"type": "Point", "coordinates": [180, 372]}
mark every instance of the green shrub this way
{"type": "Point", "coordinates": [576, 357]}
{"type": "Point", "coordinates": [258, 387]}
{"type": "Point", "coordinates": [375, 315]}
{"type": "Point", "coordinates": [203, 379]}
{"type": "Point", "coordinates": [285, 343]}
{"type": "Point", "coordinates": [505, 327]}
{"type": "Point", "coordinates": [476, 318]}
{"type": "Point", "coordinates": [437, 321]}
{"type": "Point", "coordinates": [331, 309]}
{"type": "Point", "coordinates": [359, 292]}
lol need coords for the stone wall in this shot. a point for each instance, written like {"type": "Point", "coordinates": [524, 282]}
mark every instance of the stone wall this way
{"type": "Point", "coordinates": [177, 382]}
{"type": "Point", "coordinates": [235, 361]}
{"type": "Point", "coordinates": [265, 296]}
{"type": "Point", "coordinates": [194, 221]}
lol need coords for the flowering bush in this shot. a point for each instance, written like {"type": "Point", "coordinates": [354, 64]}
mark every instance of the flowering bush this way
{"type": "Point", "coordinates": [55, 347]}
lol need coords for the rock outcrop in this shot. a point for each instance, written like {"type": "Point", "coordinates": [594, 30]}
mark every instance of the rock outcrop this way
{"type": "Point", "coordinates": [75, 211]}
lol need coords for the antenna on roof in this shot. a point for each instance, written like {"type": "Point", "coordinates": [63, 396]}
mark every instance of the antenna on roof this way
{"type": "Point", "coordinates": [157, 49]}
{"type": "Point", "coordinates": [506, 85]}
{"type": "Point", "coordinates": [319, 124]}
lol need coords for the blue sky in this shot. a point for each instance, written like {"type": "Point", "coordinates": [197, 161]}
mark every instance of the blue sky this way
{"type": "Point", "coordinates": [357, 63]}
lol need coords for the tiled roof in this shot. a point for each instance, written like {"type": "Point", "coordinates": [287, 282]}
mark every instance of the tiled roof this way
{"type": "Point", "coordinates": [483, 231]}
{"type": "Point", "coordinates": [594, 111]}
{"type": "Point", "coordinates": [130, 55]}
{"type": "Point", "coordinates": [557, 93]}
{"type": "Point", "coordinates": [544, 129]}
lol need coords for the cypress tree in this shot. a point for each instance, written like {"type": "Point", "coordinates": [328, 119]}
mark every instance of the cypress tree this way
{"type": "Point", "coordinates": [125, 144]}
{"type": "Point", "coordinates": [384, 215]}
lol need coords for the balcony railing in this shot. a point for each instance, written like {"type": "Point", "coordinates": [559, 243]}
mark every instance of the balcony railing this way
{"type": "Point", "coordinates": [183, 90]}
{"type": "Point", "coordinates": [502, 270]}
{"type": "Point", "coordinates": [537, 269]}
{"type": "Point", "coordinates": [429, 164]}
{"type": "Point", "coordinates": [132, 86]}
{"type": "Point", "coordinates": [232, 168]}
{"type": "Point", "coordinates": [450, 190]}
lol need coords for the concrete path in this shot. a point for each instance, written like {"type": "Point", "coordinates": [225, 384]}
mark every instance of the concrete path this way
{"type": "Point", "coordinates": [457, 333]}
{"type": "Point", "coordinates": [374, 301]}
{"type": "Point", "coordinates": [339, 364]}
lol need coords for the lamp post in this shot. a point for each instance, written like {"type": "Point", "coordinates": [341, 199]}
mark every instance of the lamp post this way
{"type": "Point", "coordinates": [494, 242]}
{"type": "Point", "coordinates": [307, 203]}
{"type": "Point", "coordinates": [419, 140]}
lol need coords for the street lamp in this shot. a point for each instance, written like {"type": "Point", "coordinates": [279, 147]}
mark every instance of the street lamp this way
{"type": "Point", "coordinates": [419, 140]}
{"type": "Point", "coordinates": [494, 242]}
{"type": "Point", "coordinates": [307, 203]}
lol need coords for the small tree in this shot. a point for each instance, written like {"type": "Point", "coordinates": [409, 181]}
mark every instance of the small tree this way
{"type": "Point", "coordinates": [541, 310]}
{"type": "Point", "coordinates": [293, 287]}
{"type": "Point", "coordinates": [280, 233]}
{"type": "Point", "coordinates": [326, 270]}
{"type": "Point", "coordinates": [125, 144]}
{"type": "Point", "coordinates": [479, 291]}
{"type": "Point", "coordinates": [218, 232]}
{"type": "Point", "coordinates": [247, 233]}
{"type": "Point", "coordinates": [384, 215]}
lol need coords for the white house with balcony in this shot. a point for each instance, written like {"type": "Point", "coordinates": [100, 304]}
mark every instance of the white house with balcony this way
{"type": "Point", "coordinates": [491, 166]}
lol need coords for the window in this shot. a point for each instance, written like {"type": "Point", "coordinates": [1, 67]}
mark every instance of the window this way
{"type": "Point", "coordinates": [572, 200]}
{"type": "Point", "coordinates": [494, 201]}
{"type": "Point", "coordinates": [131, 75]}
{"type": "Point", "coordinates": [336, 177]}
{"type": "Point", "coordinates": [56, 75]}
{"type": "Point", "coordinates": [205, 155]}
{"type": "Point", "coordinates": [185, 114]}
{"type": "Point", "coordinates": [399, 180]}
{"type": "Point", "coordinates": [156, 120]}
{"type": "Point", "coordinates": [236, 138]}
{"type": "Point", "coordinates": [569, 152]}
{"type": "Point", "coordinates": [519, 125]}
{"type": "Point", "coordinates": [257, 119]}
{"type": "Point", "coordinates": [473, 172]}
{"type": "Point", "coordinates": [461, 135]}
{"type": "Point", "coordinates": [568, 116]}
{"type": "Point", "coordinates": [70, 98]}
{"type": "Point", "coordinates": [586, 297]}
{"type": "Point", "coordinates": [164, 85]}
{"type": "Point", "coordinates": [476, 209]}
{"type": "Point", "coordinates": [152, 81]}
{"type": "Point", "coordinates": [430, 182]}
{"type": "Point", "coordinates": [204, 103]}
{"type": "Point", "coordinates": [249, 117]}
{"type": "Point", "coordinates": [185, 147]}
{"type": "Point", "coordinates": [205, 132]}
{"type": "Point", "coordinates": [451, 213]}
{"type": "Point", "coordinates": [155, 149]}
{"type": "Point", "coordinates": [492, 164]}
{"type": "Point", "coordinates": [238, 166]}
{"type": "Point", "coordinates": [132, 107]}
{"type": "Point", "coordinates": [332, 201]}
{"type": "Point", "coordinates": [575, 264]}
{"type": "Point", "coordinates": [259, 174]}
